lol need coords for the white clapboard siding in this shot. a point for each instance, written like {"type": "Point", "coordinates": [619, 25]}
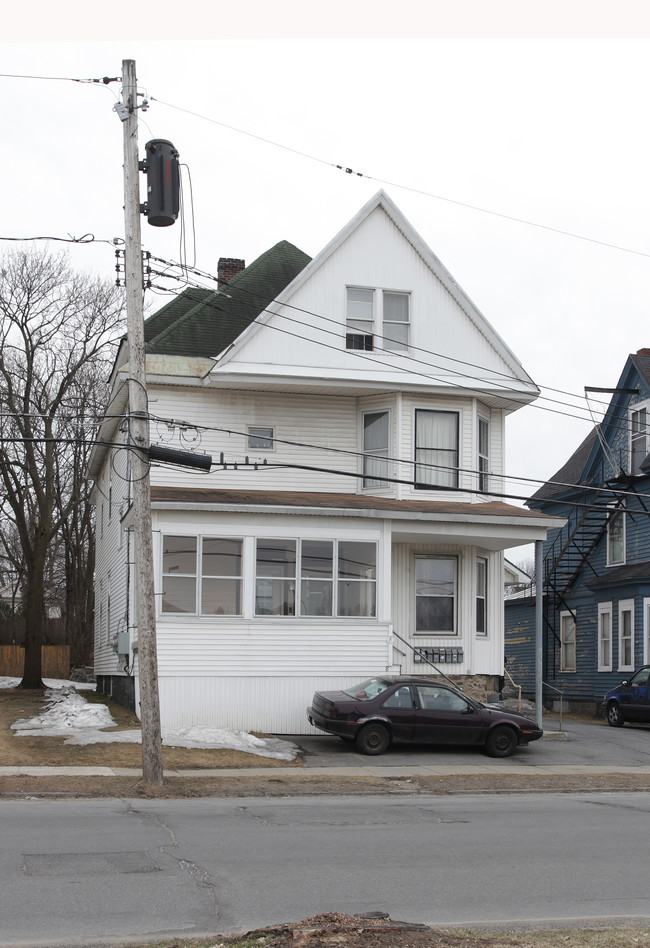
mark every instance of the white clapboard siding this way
{"type": "Point", "coordinates": [313, 424]}
{"type": "Point", "coordinates": [203, 647]}
{"type": "Point", "coordinates": [112, 556]}
{"type": "Point", "coordinates": [271, 705]}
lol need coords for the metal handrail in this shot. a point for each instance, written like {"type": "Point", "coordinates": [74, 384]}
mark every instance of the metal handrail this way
{"type": "Point", "coordinates": [561, 694]}
{"type": "Point", "coordinates": [514, 685]}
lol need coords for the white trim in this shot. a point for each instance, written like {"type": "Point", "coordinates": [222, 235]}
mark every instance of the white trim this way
{"type": "Point", "coordinates": [625, 605]}
{"type": "Point", "coordinates": [646, 631]}
{"type": "Point", "coordinates": [605, 609]}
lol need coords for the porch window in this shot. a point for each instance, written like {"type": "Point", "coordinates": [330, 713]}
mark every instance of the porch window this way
{"type": "Point", "coordinates": [221, 577]}
{"type": "Point", "coordinates": [202, 575]}
{"type": "Point", "coordinates": [481, 596]}
{"type": "Point", "coordinates": [567, 642]}
{"type": "Point", "coordinates": [626, 635]}
{"type": "Point", "coordinates": [435, 595]}
{"type": "Point", "coordinates": [604, 636]}
{"type": "Point", "coordinates": [316, 578]}
{"type": "Point", "coordinates": [275, 578]}
{"type": "Point", "coordinates": [357, 578]}
{"type": "Point", "coordinates": [616, 538]}
{"type": "Point", "coordinates": [179, 574]}
{"type": "Point", "coordinates": [436, 449]}
{"type": "Point", "coordinates": [376, 434]}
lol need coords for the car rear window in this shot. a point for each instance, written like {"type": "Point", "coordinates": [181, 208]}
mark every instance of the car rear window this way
{"type": "Point", "coordinates": [367, 690]}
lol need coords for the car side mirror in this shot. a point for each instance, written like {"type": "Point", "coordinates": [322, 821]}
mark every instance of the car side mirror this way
{"type": "Point", "coordinates": [469, 710]}
{"type": "Point", "coordinates": [626, 682]}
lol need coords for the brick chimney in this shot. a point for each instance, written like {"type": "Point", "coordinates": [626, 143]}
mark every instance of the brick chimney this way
{"type": "Point", "coordinates": [228, 267]}
{"type": "Point", "coordinates": [643, 352]}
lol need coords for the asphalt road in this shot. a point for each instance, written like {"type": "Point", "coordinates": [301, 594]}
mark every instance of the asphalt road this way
{"type": "Point", "coordinates": [86, 870]}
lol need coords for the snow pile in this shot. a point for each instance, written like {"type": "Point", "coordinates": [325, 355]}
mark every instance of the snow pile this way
{"type": "Point", "coordinates": [68, 714]}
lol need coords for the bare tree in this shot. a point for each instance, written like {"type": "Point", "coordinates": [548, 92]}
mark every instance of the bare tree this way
{"type": "Point", "coordinates": [57, 330]}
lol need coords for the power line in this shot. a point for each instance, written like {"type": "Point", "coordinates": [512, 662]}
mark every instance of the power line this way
{"type": "Point", "coordinates": [368, 357]}
{"type": "Point", "coordinates": [404, 187]}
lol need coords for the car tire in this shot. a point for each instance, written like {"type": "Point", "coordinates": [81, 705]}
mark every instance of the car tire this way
{"type": "Point", "coordinates": [373, 739]}
{"type": "Point", "coordinates": [501, 742]}
{"type": "Point", "coordinates": [615, 715]}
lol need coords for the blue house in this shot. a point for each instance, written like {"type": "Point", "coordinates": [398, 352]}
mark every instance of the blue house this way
{"type": "Point", "coordinates": [596, 569]}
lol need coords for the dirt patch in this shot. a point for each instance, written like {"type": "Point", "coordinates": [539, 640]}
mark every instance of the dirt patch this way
{"type": "Point", "coordinates": [334, 930]}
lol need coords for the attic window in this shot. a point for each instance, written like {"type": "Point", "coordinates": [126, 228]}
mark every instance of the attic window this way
{"type": "Point", "coordinates": [359, 319]}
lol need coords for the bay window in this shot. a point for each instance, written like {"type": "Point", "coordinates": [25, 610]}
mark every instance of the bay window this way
{"type": "Point", "coordinates": [376, 437]}
{"type": "Point", "coordinates": [436, 449]}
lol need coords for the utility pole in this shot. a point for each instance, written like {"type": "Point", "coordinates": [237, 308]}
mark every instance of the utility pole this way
{"type": "Point", "coordinates": [152, 770]}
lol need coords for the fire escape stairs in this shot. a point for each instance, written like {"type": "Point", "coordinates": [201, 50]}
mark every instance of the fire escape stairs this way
{"type": "Point", "coordinates": [572, 548]}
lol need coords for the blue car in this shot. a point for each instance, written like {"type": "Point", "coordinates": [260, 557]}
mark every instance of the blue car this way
{"type": "Point", "coordinates": [630, 701]}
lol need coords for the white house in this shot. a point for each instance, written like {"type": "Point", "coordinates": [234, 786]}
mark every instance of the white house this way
{"type": "Point", "coordinates": [362, 397]}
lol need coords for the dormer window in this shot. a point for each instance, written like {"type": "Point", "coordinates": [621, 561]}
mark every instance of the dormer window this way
{"type": "Point", "coordinates": [377, 320]}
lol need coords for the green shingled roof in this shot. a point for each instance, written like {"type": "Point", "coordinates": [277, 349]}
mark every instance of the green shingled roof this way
{"type": "Point", "coordinates": [203, 323]}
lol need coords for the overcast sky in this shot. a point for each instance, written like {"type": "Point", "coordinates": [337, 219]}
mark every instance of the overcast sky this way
{"type": "Point", "coordinates": [542, 120]}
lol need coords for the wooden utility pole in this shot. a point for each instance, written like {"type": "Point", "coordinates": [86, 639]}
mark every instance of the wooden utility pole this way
{"type": "Point", "coordinates": [152, 770]}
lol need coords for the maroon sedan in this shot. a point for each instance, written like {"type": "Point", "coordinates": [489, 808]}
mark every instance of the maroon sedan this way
{"type": "Point", "coordinates": [379, 711]}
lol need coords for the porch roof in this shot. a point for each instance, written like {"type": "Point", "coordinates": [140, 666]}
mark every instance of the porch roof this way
{"type": "Point", "coordinates": [493, 525]}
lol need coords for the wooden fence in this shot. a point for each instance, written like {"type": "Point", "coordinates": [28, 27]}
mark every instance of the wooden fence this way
{"type": "Point", "coordinates": [55, 658]}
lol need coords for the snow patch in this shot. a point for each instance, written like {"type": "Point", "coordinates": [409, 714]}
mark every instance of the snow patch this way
{"type": "Point", "coordinates": [68, 714]}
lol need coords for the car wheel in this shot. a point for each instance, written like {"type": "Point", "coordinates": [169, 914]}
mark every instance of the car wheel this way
{"type": "Point", "coordinates": [501, 742]}
{"type": "Point", "coordinates": [373, 739]}
{"type": "Point", "coordinates": [614, 714]}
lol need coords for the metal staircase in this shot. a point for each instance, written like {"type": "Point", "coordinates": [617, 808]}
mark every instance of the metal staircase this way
{"type": "Point", "coordinates": [568, 554]}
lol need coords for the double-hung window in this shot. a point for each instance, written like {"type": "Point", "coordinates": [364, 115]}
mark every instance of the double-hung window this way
{"type": "Point", "coordinates": [377, 319]}
{"type": "Point", "coordinates": [202, 575]}
{"type": "Point", "coordinates": [481, 596]}
{"type": "Point", "coordinates": [436, 449]}
{"type": "Point", "coordinates": [567, 642]}
{"type": "Point", "coordinates": [376, 436]}
{"type": "Point", "coordinates": [638, 438]}
{"type": "Point", "coordinates": [616, 538]}
{"type": "Point", "coordinates": [314, 577]}
{"type": "Point", "coordinates": [395, 323]}
{"type": "Point", "coordinates": [483, 453]}
{"type": "Point", "coordinates": [360, 319]}
{"type": "Point", "coordinates": [435, 595]}
{"type": "Point", "coordinates": [626, 635]}
{"type": "Point", "coordinates": [604, 636]}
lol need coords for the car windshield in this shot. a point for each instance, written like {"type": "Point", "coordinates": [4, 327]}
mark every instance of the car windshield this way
{"type": "Point", "coordinates": [369, 689]}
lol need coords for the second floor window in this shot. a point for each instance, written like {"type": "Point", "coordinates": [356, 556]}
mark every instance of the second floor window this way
{"type": "Point", "coordinates": [483, 453]}
{"type": "Point", "coordinates": [376, 436]}
{"type": "Point", "coordinates": [616, 539]}
{"type": "Point", "coordinates": [436, 449]}
{"type": "Point", "coordinates": [567, 642]}
{"type": "Point", "coordinates": [638, 439]}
